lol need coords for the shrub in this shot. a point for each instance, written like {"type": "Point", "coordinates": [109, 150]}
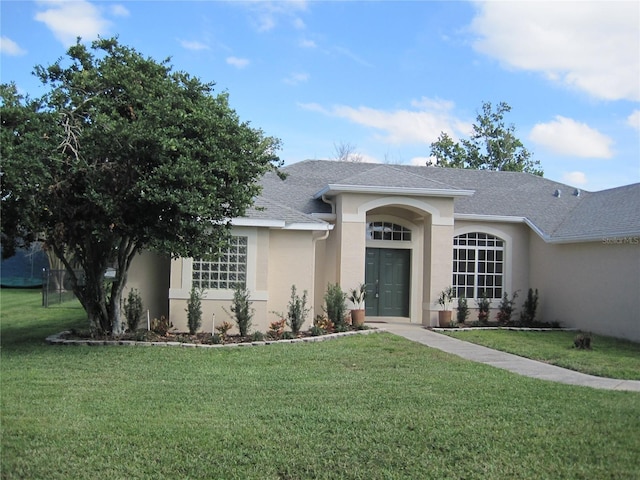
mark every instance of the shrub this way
{"type": "Point", "coordinates": [194, 310]}
{"type": "Point", "coordinates": [462, 310]}
{"type": "Point", "coordinates": [483, 309]}
{"type": "Point", "coordinates": [316, 331]}
{"type": "Point", "coordinates": [323, 323]}
{"type": "Point", "coordinates": [506, 308]}
{"type": "Point", "coordinates": [276, 329]}
{"type": "Point", "coordinates": [223, 330]}
{"type": "Point", "coordinates": [133, 309]}
{"type": "Point", "coordinates": [257, 336]}
{"type": "Point", "coordinates": [161, 326]}
{"type": "Point", "coordinates": [528, 313]}
{"type": "Point", "coordinates": [335, 305]}
{"type": "Point", "coordinates": [582, 341]}
{"type": "Point", "coordinates": [241, 309]}
{"type": "Point", "coordinates": [298, 310]}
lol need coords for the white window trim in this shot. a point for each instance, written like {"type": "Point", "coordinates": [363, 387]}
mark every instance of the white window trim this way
{"type": "Point", "coordinates": [226, 294]}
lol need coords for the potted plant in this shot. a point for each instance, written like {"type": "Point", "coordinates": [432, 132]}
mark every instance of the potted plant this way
{"type": "Point", "coordinates": [445, 299]}
{"type": "Point", "coordinates": [357, 296]}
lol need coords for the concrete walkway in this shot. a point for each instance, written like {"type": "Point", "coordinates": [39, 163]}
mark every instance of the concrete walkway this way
{"type": "Point", "coordinates": [506, 361]}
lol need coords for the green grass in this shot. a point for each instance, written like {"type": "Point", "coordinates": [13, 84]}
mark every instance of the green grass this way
{"type": "Point", "coordinates": [608, 357]}
{"type": "Point", "coordinates": [363, 407]}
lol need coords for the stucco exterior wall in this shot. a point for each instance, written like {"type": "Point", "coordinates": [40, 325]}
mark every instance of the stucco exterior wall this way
{"type": "Point", "coordinates": [277, 259]}
{"type": "Point", "coordinates": [149, 274]}
{"type": "Point", "coordinates": [592, 286]}
{"type": "Point", "coordinates": [291, 262]}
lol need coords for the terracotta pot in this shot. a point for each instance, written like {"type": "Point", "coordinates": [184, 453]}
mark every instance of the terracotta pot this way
{"type": "Point", "coordinates": [444, 318]}
{"type": "Point", "coordinates": [357, 317]}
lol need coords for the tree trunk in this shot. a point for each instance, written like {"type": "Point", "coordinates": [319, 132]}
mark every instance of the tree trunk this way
{"type": "Point", "coordinates": [101, 302]}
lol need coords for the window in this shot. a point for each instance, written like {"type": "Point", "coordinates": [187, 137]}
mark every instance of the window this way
{"type": "Point", "coordinates": [478, 265]}
{"type": "Point", "coordinates": [228, 272]}
{"type": "Point", "coordinates": [388, 231]}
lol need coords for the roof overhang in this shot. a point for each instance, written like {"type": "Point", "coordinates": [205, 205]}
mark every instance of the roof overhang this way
{"type": "Point", "coordinates": [619, 238]}
{"type": "Point", "coordinates": [335, 189]}
{"type": "Point", "coordinates": [281, 224]}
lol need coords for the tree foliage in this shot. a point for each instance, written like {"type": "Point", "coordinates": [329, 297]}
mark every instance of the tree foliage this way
{"type": "Point", "coordinates": [124, 154]}
{"type": "Point", "coordinates": [492, 146]}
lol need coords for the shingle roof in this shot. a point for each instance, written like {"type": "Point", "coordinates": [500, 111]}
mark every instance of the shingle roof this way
{"type": "Point", "coordinates": [499, 194]}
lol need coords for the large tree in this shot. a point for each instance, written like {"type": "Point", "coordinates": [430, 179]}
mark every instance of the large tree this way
{"type": "Point", "coordinates": [124, 154]}
{"type": "Point", "coordinates": [492, 146]}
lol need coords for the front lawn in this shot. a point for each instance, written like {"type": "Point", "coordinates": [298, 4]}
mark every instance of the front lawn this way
{"type": "Point", "coordinates": [608, 357]}
{"type": "Point", "coordinates": [365, 407]}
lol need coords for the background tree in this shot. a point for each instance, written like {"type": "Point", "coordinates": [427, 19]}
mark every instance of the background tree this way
{"type": "Point", "coordinates": [124, 154]}
{"type": "Point", "coordinates": [492, 146]}
{"type": "Point", "coordinates": [346, 152]}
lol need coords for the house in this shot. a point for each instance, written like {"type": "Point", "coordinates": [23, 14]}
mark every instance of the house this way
{"type": "Point", "coordinates": [409, 232]}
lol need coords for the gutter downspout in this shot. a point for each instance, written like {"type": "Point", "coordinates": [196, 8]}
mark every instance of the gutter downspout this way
{"type": "Point", "coordinates": [329, 202]}
{"type": "Point", "coordinates": [315, 240]}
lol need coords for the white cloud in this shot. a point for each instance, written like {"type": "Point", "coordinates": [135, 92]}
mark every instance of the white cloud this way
{"type": "Point", "coordinates": [238, 62]}
{"type": "Point", "coordinates": [575, 178]}
{"type": "Point", "coordinates": [119, 11]}
{"type": "Point", "coordinates": [296, 78]}
{"type": "Point", "coordinates": [193, 45]}
{"type": "Point", "coordinates": [591, 46]}
{"type": "Point", "coordinates": [267, 14]}
{"type": "Point", "coordinates": [420, 126]}
{"type": "Point", "coordinates": [305, 43]}
{"type": "Point", "coordinates": [633, 120]}
{"type": "Point", "coordinates": [9, 47]}
{"type": "Point", "coordinates": [69, 20]}
{"type": "Point", "coordinates": [566, 136]}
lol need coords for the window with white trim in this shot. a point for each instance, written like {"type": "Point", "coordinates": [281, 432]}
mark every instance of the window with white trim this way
{"type": "Point", "coordinates": [388, 231]}
{"type": "Point", "coordinates": [227, 272]}
{"type": "Point", "coordinates": [478, 265]}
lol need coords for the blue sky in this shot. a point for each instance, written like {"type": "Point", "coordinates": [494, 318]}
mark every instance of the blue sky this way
{"type": "Point", "coordinates": [384, 77]}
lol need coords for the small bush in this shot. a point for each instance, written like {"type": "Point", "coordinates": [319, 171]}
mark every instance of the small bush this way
{"type": "Point", "coordinates": [335, 305]}
{"type": "Point", "coordinates": [323, 323]}
{"type": "Point", "coordinates": [582, 341]}
{"type": "Point", "coordinates": [287, 336]}
{"type": "Point", "coordinates": [241, 309]}
{"type": "Point", "coordinates": [257, 337]}
{"type": "Point", "coordinates": [276, 329]}
{"type": "Point", "coordinates": [194, 310]}
{"type": "Point", "coordinates": [298, 311]}
{"type": "Point", "coordinates": [506, 308]}
{"type": "Point", "coordinates": [528, 313]}
{"type": "Point", "coordinates": [223, 330]}
{"type": "Point", "coordinates": [462, 313]}
{"type": "Point", "coordinates": [216, 339]}
{"type": "Point", "coordinates": [484, 304]}
{"type": "Point", "coordinates": [316, 331]}
{"type": "Point", "coordinates": [161, 326]}
{"type": "Point", "coordinates": [133, 309]}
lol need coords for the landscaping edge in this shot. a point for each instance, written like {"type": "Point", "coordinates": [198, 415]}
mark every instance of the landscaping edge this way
{"type": "Point", "coordinates": [56, 339]}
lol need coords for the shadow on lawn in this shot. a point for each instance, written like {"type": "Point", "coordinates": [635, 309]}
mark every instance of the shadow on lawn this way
{"type": "Point", "coordinates": [33, 333]}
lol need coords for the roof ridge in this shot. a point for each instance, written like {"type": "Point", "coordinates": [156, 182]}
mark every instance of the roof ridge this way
{"type": "Point", "coordinates": [406, 171]}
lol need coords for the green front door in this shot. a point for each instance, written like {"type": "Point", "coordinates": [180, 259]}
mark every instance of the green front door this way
{"type": "Point", "coordinates": [387, 276]}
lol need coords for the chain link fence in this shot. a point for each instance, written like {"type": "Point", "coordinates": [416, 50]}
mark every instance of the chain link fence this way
{"type": "Point", "coordinates": [56, 286]}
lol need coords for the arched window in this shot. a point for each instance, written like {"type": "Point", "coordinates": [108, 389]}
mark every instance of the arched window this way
{"type": "Point", "coordinates": [478, 265]}
{"type": "Point", "coordinates": [388, 231]}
